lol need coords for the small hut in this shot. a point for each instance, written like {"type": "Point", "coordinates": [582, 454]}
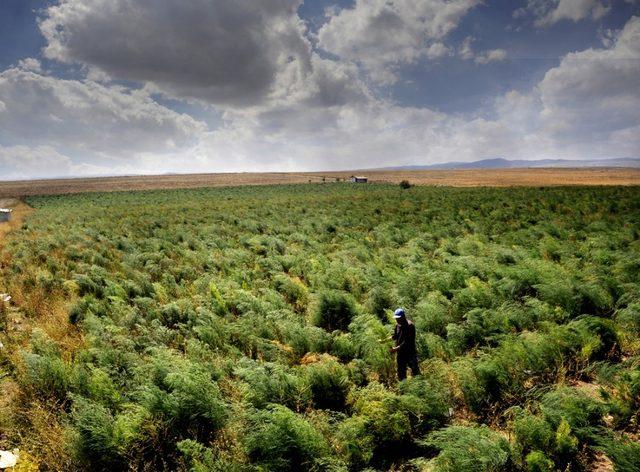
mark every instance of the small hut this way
{"type": "Point", "coordinates": [358, 179]}
{"type": "Point", "coordinates": [5, 214]}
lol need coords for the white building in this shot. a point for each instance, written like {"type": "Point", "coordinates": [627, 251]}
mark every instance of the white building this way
{"type": "Point", "coordinates": [5, 214]}
{"type": "Point", "coordinates": [358, 179]}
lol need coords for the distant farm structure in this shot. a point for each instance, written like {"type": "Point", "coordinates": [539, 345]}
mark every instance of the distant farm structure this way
{"type": "Point", "coordinates": [5, 214]}
{"type": "Point", "coordinates": [358, 179]}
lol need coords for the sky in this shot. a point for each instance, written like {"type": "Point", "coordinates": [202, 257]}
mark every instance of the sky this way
{"type": "Point", "coordinates": [112, 87]}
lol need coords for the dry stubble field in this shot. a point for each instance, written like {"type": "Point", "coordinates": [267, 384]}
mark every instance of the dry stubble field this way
{"type": "Point", "coordinates": [454, 178]}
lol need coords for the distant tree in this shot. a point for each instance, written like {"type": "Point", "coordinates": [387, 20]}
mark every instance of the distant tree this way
{"type": "Point", "coordinates": [405, 184]}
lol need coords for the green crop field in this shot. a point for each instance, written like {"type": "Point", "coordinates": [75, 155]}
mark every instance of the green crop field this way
{"type": "Point", "coordinates": [243, 329]}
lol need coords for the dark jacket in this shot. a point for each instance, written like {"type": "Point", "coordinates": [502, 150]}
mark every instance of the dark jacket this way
{"type": "Point", "coordinates": [405, 337]}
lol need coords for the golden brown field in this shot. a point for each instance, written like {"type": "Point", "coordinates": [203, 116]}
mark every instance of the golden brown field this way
{"type": "Point", "coordinates": [20, 210]}
{"type": "Point", "coordinates": [454, 178]}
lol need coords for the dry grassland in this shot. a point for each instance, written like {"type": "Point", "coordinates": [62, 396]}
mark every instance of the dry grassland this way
{"type": "Point", "coordinates": [454, 178]}
{"type": "Point", "coordinates": [20, 211]}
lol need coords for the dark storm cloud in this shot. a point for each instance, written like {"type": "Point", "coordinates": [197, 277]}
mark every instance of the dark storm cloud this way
{"type": "Point", "coordinates": [224, 51]}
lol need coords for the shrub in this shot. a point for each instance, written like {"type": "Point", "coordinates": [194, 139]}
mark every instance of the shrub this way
{"type": "Point", "coordinates": [198, 457]}
{"type": "Point", "coordinates": [368, 336]}
{"type": "Point", "coordinates": [404, 184]}
{"type": "Point", "coordinates": [182, 394]}
{"type": "Point", "coordinates": [379, 300]}
{"type": "Point", "coordinates": [329, 383]}
{"type": "Point", "coordinates": [45, 376]}
{"type": "Point", "coordinates": [279, 439]}
{"type": "Point", "coordinates": [85, 306]}
{"type": "Point", "coordinates": [355, 441]}
{"type": "Point", "coordinates": [42, 372]}
{"type": "Point", "coordinates": [100, 387]}
{"type": "Point", "coordinates": [86, 285]}
{"type": "Point", "coordinates": [472, 392]}
{"type": "Point", "coordinates": [476, 294]}
{"type": "Point", "coordinates": [628, 323]}
{"type": "Point", "coordinates": [273, 383]}
{"type": "Point", "coordinates": [103, 440]}
{"type": "Point", "coordinates": [383, 423]}
{"type": "Point", "coordinates": [302, 338]}
{"type": "Point", "coordinates": [594, 299]}
{"type": "Point", "coordinates": [433, 314]}
{"type": "Point", "coordinates": [623, 397]}
{"type": "Point", "coordinates": [606, 345]}
{"type": "Point", "coordinates": [624, 453]}
{"type": "Point", "coordinates": [335, 310]}
{"type": "Point", "coordinates": [538, 462]}
{"type": "Point", "coordinates": [427, 399]}
{"type": "Point", "coordinates": [385, 412]}
{"type": "Point", "coordinates": [533, 432]}
{"type": "Point", "coordinates": [175, 313]}
{"type": "Point", "coordinates": [293, 290]}
{"type": "Point", "coordinates": [476, 448]}
{"type": "Point", "coordinates": [568, 405]}
{"type": "Point", "coordinates": [566, 443]}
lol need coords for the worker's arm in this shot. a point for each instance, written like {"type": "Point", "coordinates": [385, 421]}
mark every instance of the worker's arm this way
{"type": "Point", "coordinates": [396, 335]}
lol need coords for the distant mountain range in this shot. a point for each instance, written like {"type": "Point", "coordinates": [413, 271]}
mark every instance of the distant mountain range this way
{"type": "Point", "coordinates": [500, 163]}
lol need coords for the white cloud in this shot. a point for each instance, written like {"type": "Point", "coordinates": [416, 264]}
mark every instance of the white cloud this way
{"type": "Point", "coordinates": [586, 107]}
{"type": "Point", "coordinates": [492, 55]}
{"type": "Point", "coordinates": [466, 52]}
{"type": "Point", "coordinates": [549, 12]}
{"type": "Point", "coordinates": [29, 162]}
{"type": "Point", "coordinates": [595, 92]}
{"type": "Point", "coordinates": [89, 116]}
{"type": "Point", "coordinates": [305, 111]}
{"type": "Point", "coordinates": [383, 34]}
{"type": "Point", "coordinates": [31, 64]}
{"type": "Point", "coordinates": [438, 50]}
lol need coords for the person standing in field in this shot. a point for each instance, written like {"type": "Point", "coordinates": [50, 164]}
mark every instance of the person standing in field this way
{"type": "Point", "coordinates": [404, 335]}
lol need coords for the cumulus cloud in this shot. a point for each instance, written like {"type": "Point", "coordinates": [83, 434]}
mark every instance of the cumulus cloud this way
{"type": "Point", "coordinates": [586, 107]}
{"type": "Point", "coordinates": [224, 52]}
{"type": "Point", "coordinates": [438, 50]}
{"type": "Point", "coordinates": [383, 34]}
{"type": "Point", "coordinates": [549, 12]}
{"type": "Point", "coordinates": [466, 52]}
{"type": "Point", "coordinates": [233, 54]}
{"type": "Point", "coordinates": [291, 107]}
{"type": "Point", "coordinates": [595, 92]}
{"type": "Point", "coordinates": [29, 162]}
{"type": "Point", "coordinates": [492, 55]}
{"type": "Point", "coordinates": [31, 64]}
{"type": "Point", "coordinates": [47, 110]}
{"type": "Point", "coordinates": [372, 135]}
